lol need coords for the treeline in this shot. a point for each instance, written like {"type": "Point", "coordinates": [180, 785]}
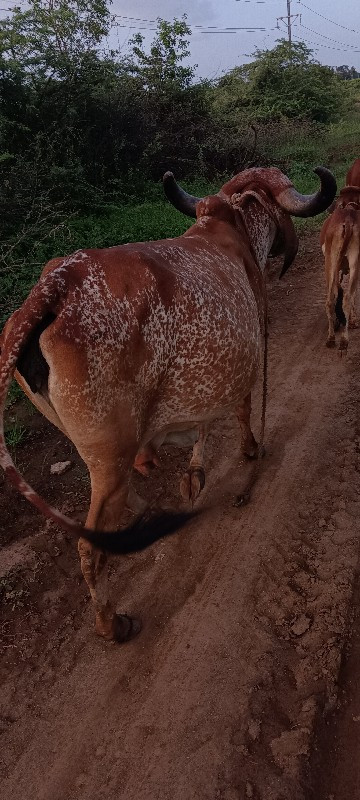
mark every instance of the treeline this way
{"type": "Point", "coordinates": [81, 126]}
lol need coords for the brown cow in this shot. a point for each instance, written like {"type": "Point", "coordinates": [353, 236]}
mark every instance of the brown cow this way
{"type": "Point", "coordinates": [352, 179]}
{"type": "Point", "coordinates": [340, 241]}
{"type": "Point", "coordinates": [353, 174]}
{"type": "Point", "coordinates": [128, 347]}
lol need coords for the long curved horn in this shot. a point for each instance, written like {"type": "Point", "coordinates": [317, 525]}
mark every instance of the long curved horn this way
{"type": "Point", "coordinates": [184, 202]}
{"type": "Point", "coordinates": [308, 205]}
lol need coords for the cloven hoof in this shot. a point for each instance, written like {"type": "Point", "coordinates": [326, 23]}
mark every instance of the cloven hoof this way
{"type": "Point", "coordinates": [330, 342]}
{"type": "Point", "coordinates": [258, 452]}
{"type": "Point", "coordinates": [126, 627]}
{"type": "Point", "coordinates": [122, 628]}
{"type": "Point", "coordinates": [242, 500]}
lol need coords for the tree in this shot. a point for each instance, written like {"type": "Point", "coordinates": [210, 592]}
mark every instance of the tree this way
{"type": "Point", "coordinates": [51, 37]}
{"type": "Point", "coordinates": [69, 115]}
{"type": "Point", "coordinates": [285, 82]}
{"type": "Point", "coordinates": [346, 73]}
{"type": "Point", "coordinates": [230, 93]}
{"type": "Point", "coordinates": [176, 108]}
{"type": "Point", "coordinates": [162, 70]}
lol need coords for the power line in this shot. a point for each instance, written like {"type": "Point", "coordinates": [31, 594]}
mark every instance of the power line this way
{"type": "Point", "coordinates": [148, 24]}
{"type": "Point", "coordinates": [327, 18]}
{"type": "Point", "coordinates": [224, 28]}
{"type": "Point", "coordinates": [133, 19]}
{"type": "Point", "coordinates": [250, 29]}
{"type": "Point", "coordinates": [134, 27]}
{"type": "Point", "coordinates": [203, 31]}
{"type": "Point", "coordinates": [346, 44]}
{"type": "Point", "coordinates": [200, 28]}
{"type": "Point", "coordinates": [229, 31]}
{"type": "Point", "coordinates": [326, 46]}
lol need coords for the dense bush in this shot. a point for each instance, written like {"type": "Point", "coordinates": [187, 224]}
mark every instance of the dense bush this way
{"type": "Point", "coordinates": [281, 83]}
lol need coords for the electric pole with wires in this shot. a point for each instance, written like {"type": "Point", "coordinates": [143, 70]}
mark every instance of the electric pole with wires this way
{"type": "Point", "coordinates": [288, 19]}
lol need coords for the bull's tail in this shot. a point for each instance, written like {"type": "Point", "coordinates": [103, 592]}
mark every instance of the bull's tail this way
{"type": "Point", "coordinates": [44, 299]}
{"type": "Point", "coordinates": [346, 234]}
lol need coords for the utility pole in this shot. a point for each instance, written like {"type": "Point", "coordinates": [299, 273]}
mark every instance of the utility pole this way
{"type": "Point", "coordinates": [288, 19]}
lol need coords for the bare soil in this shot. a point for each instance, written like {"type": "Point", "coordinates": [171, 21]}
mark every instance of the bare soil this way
{"type": "Point", "coordinates": [335, 757]}
{"type": "Point", "coordinates": [227, 692]}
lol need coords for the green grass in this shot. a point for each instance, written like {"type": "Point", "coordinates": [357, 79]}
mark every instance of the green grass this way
{"type": "Point", "coordinates": [15, 433]}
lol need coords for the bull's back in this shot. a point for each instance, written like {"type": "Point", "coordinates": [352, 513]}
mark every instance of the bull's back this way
{"type": "Point", "coordinates": [340, 227]}
{"type": "Point", "coordinates": [213, 333]}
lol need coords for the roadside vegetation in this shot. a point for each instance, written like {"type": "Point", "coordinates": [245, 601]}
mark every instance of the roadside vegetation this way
{"type": "Point", "coordinates": [86, 133]}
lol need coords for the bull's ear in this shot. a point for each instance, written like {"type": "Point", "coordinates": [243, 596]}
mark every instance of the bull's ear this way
{"type": "Point", "coordinates": [290, 243]}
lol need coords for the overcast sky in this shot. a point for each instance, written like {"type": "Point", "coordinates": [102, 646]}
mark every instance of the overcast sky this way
{"type": "Point", "coordinates": [216, 52]}
{"type": "Point", "coordinates": [330, 27]}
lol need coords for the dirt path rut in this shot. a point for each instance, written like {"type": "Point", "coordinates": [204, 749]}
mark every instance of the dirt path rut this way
{"type": "Point", "coordinates": [245, 614]}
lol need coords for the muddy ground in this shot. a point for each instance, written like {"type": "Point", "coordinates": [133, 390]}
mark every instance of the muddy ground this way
{"type": "Point", "coordinates": [243, 682]}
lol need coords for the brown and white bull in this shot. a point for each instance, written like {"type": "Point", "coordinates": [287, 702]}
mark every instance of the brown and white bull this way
{"type": "Point", "coordinates": [129, 347]}
{"type": "Point", "coordinates": [340, 242]}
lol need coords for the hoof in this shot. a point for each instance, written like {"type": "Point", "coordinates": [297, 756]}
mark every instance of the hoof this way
{"type": "Point", "coordinates": [192, 483]}
{"type": "Point", "coordinates": [255, 452]}
{"type": "Point", "coordinates": [119, 628]}
{"type": "Point", "coordinates": [125, 627]}
{"type": "Point", "coordinates": [330, 342]}
{"type": "Point", "coordinates": [343, 346]}
{"type": "Point", "coordinates": [241, 500]}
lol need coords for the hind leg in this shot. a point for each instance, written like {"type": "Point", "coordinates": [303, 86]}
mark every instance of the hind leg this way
{"type": "Point", "coordinates": [330, 312]}
{"type": "Point", "coordinates": [349, 298]}
{"type": "Point", "coordinates": [249, 443]}
{"type": "Point", "coordinates": [109, 494]}
{"type": "Point", "coordinates": [105, 429]}
{"type": "Point", "coordinates": [331, 274]}
{"type": "Point", "coordinates": [353, 319]}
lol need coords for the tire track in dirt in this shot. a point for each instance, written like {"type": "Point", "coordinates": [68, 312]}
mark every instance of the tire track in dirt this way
{"type": "Point", "coordinates": [245, 614]}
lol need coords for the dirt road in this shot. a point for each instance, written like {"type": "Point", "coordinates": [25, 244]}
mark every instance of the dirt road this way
{"type": "Point", "coordinates": [245, 613]}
